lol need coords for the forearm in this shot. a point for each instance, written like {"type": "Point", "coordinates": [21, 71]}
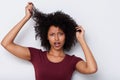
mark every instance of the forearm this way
{"type": "Point", "coordinates": [9, 38]}
{"type": "Point", "coordinates": [90, 61]}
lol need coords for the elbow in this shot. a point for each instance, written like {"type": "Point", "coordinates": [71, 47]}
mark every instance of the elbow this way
{"type": "Point", "coordinates": [6, 44]}
{"type": "Point", "coordinates": [3, 44]}
{"type": "Point", "coordinates": [93, 70]}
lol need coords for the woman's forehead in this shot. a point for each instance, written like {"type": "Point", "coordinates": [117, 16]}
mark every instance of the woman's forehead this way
{"type": "Point", "coordinates": [54, 29]}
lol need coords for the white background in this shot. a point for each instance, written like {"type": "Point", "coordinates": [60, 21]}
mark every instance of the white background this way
{"type": "Point", "coordinates": [100, 19]}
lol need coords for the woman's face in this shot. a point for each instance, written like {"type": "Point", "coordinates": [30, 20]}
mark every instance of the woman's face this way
{"type": "Point", "coordinates": [56, 37]}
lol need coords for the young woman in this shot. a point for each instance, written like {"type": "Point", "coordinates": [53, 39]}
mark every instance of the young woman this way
{"type": "Point", "coordinates": [58, 32]}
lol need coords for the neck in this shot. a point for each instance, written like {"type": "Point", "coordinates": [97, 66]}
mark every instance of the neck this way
{"type": "Point", "coordinates": [56, 52]}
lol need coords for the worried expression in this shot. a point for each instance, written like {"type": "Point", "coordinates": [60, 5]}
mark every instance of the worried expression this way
{"type": "Point", "coordinates": [56, 37]}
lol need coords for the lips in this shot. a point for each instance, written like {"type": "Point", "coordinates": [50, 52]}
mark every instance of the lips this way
{"type": "Point", "coordinates": [56, 44]}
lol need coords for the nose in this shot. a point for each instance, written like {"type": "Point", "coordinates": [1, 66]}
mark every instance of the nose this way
{"type": "Point", "coordinates": [56, 37]}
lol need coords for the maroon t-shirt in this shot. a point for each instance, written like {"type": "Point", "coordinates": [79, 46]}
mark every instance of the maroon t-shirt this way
{"type": "Point", "coordinates": [47, 70]}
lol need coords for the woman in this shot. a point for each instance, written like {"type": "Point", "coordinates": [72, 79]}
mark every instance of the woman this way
{"type": "Point", "coordinates": [58, 33]}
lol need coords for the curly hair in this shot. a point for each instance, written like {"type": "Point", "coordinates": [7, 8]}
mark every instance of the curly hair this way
{"type": "Point", "coordinates": [43, 22]}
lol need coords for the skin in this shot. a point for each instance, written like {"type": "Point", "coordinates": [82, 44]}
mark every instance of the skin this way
{"type": "Point", "coordinates": [56, 38]}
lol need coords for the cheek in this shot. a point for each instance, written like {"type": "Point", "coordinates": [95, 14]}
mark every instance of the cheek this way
{"type": "Point", "coordinates": [50, 39]}
{"type": "Point", "coordinates": [62, 38]}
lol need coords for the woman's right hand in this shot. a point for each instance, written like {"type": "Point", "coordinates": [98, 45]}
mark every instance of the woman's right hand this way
{"type": "Point", "coordinates": [29, 9]}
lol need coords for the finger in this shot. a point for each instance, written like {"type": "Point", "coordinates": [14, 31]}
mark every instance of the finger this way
{"type": "Point", "coordinates": [30, 7]}
{"type": "Point", "coordinates": [30, 3]}
{"type": "Point", "coordinates": [78, 29]}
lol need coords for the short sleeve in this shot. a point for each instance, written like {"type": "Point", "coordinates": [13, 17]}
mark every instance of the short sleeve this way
{"type": "Point", "coordinates": [75, 59]}
{"type": "Point", "coordinates": [34, 53]}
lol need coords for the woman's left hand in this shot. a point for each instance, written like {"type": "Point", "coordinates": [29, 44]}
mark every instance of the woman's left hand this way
{"type": "Point", "coordinates": [89, 65]}
{"type": "Point", "coordinates": [80, 33]}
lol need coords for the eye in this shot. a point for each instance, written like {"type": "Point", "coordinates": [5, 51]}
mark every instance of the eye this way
{"type": "Point", "coordinates": [52, 34]}
{"type": "Point", "coordinates": [61, 33]}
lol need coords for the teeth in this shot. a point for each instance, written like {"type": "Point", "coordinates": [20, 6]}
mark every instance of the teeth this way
{"type": "Point", "coordinates": [57, 43]}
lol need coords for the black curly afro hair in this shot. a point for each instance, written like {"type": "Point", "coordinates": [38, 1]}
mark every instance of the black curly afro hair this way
{"type": "Point", "coordinates": [43, 22]}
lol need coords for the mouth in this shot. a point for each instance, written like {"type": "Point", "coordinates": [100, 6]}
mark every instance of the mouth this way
{"type": "Point", "coordinates": [57, 44]}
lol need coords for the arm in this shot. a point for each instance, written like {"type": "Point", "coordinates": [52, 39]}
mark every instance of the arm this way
{"type": "Point", "coordinates": [89, 66]}
{"type": "Point", "coordinates": [8, 41]}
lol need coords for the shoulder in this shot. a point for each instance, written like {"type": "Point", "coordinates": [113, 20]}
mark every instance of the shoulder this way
{"type": "Point", "coordinates": [35, 51]}
{"type": "Point", "coordinates": [74, 58]}
{"type": "Point", "coordinates": [31, 49]}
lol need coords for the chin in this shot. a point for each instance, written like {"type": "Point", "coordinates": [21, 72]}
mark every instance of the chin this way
{"type": "Point", "coordinates": [58, 48]}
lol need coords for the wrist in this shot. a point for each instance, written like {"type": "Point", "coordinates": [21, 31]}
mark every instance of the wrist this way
{"type": "Point", "coordinates": [27, 17]}
{"type": "Point", "coordinates": [81, 40]}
